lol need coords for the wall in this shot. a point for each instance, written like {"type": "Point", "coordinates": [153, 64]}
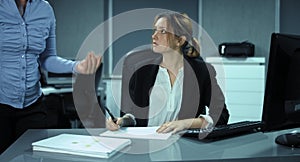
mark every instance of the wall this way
{"type": "Point", "coordinates": [240, 20]}
{"type": "Point", "coordinates": [75, 19]}
{"type": "Point", "coordinates": [290, 16]}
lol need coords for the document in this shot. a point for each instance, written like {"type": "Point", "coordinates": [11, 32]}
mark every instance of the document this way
{"type": "Point", "coordinates": [84, 145]}
{"type": "Point", "coordinates": [138, 133]}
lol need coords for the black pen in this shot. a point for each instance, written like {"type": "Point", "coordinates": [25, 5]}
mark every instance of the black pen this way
{"type": "Point", "coordinates": [111, 115]}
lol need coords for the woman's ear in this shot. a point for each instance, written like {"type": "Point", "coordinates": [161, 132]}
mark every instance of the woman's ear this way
{"type": "Point", "coordinates": [181, 40]}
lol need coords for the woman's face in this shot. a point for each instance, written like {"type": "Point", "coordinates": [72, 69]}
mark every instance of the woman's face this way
{"type": "Point", "coordinates": [160, 42]}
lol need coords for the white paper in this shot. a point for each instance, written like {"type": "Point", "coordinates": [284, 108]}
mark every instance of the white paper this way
{"type": "Point", "coordinates": [138, 133]}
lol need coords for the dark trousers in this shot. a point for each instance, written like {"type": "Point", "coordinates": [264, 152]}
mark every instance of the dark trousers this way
{"type": "Point", "coordinates": [14, 122]}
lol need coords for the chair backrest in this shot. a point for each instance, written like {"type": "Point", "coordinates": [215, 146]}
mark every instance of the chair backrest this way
{"type": "Point", "coordinates": [86, 99]}
{"type": "Point", "coordinates": [140, 57]}
{"type": "Point", "coordinates": [133, 61]}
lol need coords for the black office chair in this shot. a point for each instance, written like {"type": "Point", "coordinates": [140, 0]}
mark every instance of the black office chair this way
{"type": "Point", "coordinates": [60, 107]}
{"type": "Point", "coordinates": [134, 60]}
{"type": "Point", "coordinates": [87, 100]}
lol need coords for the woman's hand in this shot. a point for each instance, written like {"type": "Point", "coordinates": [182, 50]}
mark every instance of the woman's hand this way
{"type": "Point", "coordinates": [113, 126]}
{"type": "Point", "coordinates": [90, 64]}
{"type": "Point", "coordinates": [175, 126]}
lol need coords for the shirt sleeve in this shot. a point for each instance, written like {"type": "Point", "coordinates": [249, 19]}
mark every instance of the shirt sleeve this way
{"type": "Point", "coordinates": [208, 119]}
{"type": "Point", "coordinates": [49, 59]}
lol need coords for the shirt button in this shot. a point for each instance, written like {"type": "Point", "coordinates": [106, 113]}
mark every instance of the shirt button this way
{"type": "Point", "coordinates": [23, 24]}
{"type": "Point", "coordinates": [25, 35]}
{"type": "Point", "coordinates": [22, 56]}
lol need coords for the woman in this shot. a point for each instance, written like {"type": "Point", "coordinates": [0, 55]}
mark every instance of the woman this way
{"type": "Point", "coordinates": [173, 93]}
{"type": "Point", "coordinates": [27, 42]}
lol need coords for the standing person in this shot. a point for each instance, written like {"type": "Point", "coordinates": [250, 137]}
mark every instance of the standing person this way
{"type": "Point", "coordinates": [27, 42]}
{"type": "Point", "coordinates": [175, 92]}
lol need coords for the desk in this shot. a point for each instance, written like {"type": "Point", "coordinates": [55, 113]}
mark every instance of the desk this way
{"type": "Point", "coordinates": [252, 147]}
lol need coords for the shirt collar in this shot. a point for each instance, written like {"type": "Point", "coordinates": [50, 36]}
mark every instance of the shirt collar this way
{"type": "Point", "coordinates": [28, 0]}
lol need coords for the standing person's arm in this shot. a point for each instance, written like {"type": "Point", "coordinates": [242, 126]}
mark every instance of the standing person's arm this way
{"type": "Point", "coordinates": [53, 63]}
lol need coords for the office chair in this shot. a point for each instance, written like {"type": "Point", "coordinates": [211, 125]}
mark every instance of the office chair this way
{"type": "Point", "coordinates": [87, 101]}
{"type": "Point", "coordinates": [56, 105]}
{"type": "Point", "coordinates": [133, 61]}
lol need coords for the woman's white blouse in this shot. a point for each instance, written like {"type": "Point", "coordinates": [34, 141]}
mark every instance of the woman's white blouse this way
{"type": "Point", "coordinates": [165, 100]}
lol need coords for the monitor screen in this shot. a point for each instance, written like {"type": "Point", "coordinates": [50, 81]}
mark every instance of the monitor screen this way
{"type": "Point", "coordinates": [281, 109]}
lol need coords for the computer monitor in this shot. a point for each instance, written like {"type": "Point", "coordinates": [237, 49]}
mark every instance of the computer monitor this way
{"type": "Point", "coordinates": [281, 109]}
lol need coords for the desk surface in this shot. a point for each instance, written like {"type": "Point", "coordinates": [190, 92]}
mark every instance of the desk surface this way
{"type": "Point", "coordinates": [252, 147]}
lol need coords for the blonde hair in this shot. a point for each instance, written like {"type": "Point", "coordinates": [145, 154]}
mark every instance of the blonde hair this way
{"type": "Point", "coordinates": [182, 26]}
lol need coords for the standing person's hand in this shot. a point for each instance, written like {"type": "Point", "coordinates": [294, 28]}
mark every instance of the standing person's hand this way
{"type": "Point", "coordinates": [90, 64]}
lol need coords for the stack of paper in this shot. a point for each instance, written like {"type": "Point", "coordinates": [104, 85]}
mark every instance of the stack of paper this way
{"type": "Point", "coordinates": [93, 146]}
{"type": "Point", "coordinates": [138, 133]}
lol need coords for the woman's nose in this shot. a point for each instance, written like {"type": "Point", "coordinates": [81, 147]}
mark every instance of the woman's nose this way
{"type": "Point", "coordinates": [153, 35]}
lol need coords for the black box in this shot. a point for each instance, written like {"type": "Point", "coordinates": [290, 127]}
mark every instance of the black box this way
{"type": "Point", "coordinates": [243, 49]}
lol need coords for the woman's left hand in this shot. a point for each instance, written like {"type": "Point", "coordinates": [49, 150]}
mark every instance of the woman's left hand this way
{"type": "Point", "coordinates": [90, 64]}
{"type": "Point", "coordinates": [175, 126]}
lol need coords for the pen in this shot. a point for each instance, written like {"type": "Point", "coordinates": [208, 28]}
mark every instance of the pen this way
{"type": "Point", "coordinates": [111, 115]}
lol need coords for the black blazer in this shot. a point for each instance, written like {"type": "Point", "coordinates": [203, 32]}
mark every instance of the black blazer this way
{"type": "Point", "coordinates": [200, 89]}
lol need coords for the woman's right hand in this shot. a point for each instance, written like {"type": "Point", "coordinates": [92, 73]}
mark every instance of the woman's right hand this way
{"type": "Point", "coordinates": [113, 126]}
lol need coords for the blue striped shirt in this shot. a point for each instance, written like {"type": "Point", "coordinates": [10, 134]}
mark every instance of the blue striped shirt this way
{"type": "Point", "coordinates": [25, 43]}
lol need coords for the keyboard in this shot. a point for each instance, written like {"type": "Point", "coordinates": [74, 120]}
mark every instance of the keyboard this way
{"type": "Point", "coordinates": [223, 131]}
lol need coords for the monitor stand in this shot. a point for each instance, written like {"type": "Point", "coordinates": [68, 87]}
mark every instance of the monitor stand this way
{"type": "Point", "coordinates": [289, 139]}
